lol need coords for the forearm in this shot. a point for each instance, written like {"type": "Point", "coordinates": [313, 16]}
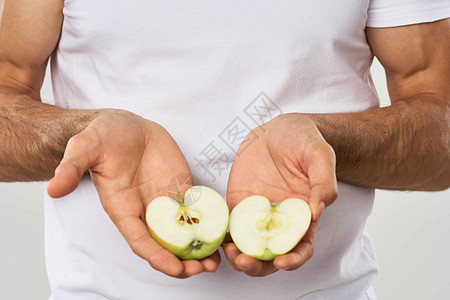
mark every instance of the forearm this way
{"type": "Point", "coordinates": [405, 146]}
{"type": "Point", "coordinates": [33, 135]}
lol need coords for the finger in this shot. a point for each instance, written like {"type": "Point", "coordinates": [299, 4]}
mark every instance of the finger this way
{"type": "Point", "coordinates": [227, 239]}
{"type": "Point", "coordinates": [192, 267]}
{"type": "Point", "coordinates": [211, 263]}
{"type": "Point", "coordinates": [321, 171]}
{"type": "Point", "coordinates": [244, 263]}
{"type": "Point", "coordinates": [254, 267]}
{"type": "Point", "coordinates": [136, 234]}
{"type": "Point", "coordinates": [300, 254]}
{"type": "Point", "coordinates": [231, 253]}
{"type": "Point", "coordinates": [78, 157]}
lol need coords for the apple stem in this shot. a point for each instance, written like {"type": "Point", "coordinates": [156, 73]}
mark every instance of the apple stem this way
{"type": "Point", "coordinates": [180, 199]}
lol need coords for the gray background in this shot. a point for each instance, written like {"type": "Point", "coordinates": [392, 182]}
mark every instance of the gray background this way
{"type": "Point", "coordinates": [410, 231]}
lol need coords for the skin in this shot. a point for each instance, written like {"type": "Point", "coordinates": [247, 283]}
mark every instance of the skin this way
{"type": "Point", "coordinates": [42, 142]}
{"type": "Point", "coordinates": [400, 147]}
{"type": "Point", "coordinates": [360, 148]}
{"type": "Point", "coordinates": [283, 162]}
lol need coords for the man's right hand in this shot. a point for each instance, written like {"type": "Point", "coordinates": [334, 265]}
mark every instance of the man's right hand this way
{"type": "Point", "coordinates": [131, 161]}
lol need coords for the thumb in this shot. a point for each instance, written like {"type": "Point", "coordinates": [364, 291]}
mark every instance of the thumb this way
{"type": "Point", "coordinates": [320, 197]}
{"type": "Point", "coordinates": [321, 171]}
{"type": "Point", "coordinates": [77, 160]}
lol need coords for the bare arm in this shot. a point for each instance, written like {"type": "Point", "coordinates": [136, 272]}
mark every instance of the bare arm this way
{"type": "Point", "coordinates": [33, 135]}
{"type": "Point", "coordinates": [131, 160]}
{"type": "Point", "coordinates": [405, 146]}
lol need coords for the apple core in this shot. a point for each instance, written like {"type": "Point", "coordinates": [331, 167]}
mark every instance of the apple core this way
{"type": "Point", "coordinates": [264, 229]}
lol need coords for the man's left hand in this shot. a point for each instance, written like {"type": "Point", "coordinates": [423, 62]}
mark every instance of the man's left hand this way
{"type": "Point", "coordinates": [283, 158]}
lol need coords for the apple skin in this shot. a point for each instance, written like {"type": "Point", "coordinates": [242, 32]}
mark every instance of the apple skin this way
{"type": "Point", "coordinates": [267, 254]}
{"type": "Point", "coordinates": [188, 251]}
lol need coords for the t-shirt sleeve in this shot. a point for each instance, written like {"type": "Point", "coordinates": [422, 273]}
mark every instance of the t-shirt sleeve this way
{"type": "Point", "coordinates": [391, 13]}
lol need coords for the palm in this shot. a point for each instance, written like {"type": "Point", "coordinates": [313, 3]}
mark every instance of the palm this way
{"type": "Point", "coordinates": [132, 161]}
{"type": "Point", "coordinates": [289, 158]}
{"type": "Point", "coordinates": [269, 168]}
{"type": "Point", "coordinates": [138, 171]}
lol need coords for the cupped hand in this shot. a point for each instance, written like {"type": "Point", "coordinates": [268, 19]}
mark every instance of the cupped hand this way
{"type": "Point", "coordinates": [131, 161]}
{"type": "Point", "coordinates": [285, 157]}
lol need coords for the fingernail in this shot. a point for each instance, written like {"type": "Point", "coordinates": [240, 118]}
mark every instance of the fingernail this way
{"type": "Point", "coordinates": [248, 268]}
{"type": "Point", "coordinates": [321, 209]}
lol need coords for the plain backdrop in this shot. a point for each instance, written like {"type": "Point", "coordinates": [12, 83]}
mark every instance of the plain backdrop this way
{"type": "Point", "coordinates": [410, 230]}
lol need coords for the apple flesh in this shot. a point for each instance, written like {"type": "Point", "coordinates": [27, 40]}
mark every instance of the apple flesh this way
{"type": "Point", "coordinates": [190, 228]}
{"type": "Point", "coordinates": [264, 229]}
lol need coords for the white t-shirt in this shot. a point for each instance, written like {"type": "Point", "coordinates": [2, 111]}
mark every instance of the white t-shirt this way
{"type": "Point", "coordinates": [209, 72]}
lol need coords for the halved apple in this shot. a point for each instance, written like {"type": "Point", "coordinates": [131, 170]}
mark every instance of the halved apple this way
{"type": "Point", "coordinates": [191, 228]}
{"type": "Point", "coordinates": [264, 229]}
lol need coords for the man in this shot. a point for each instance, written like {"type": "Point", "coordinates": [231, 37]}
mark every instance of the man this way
{"type": "Point", "coordinates": [144, 89]}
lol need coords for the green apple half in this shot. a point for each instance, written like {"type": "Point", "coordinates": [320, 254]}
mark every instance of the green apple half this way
{"type": "Point", "coordinates": [190, 228]}
{"type": "Point", "coordinates": [264, 229]}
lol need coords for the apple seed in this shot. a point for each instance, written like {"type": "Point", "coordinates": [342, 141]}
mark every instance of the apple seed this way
{"type": "Point", "coordinates": [181, 220]}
